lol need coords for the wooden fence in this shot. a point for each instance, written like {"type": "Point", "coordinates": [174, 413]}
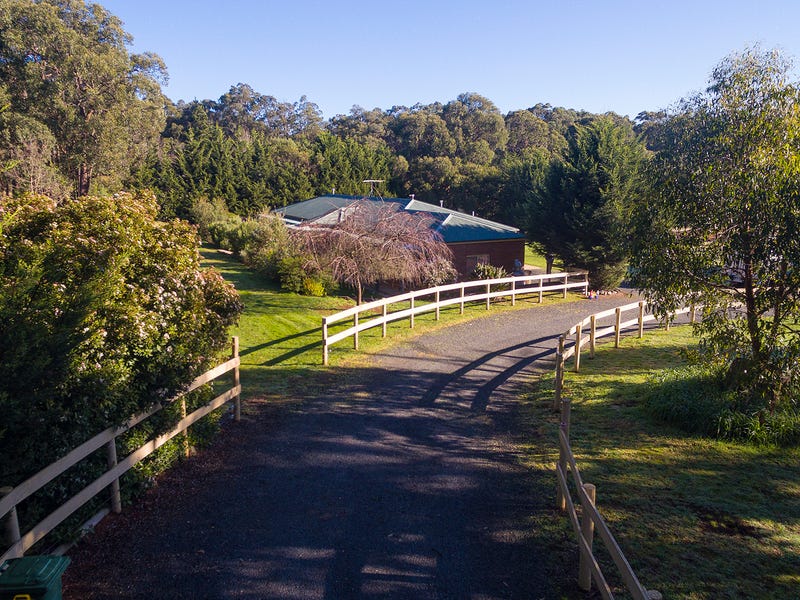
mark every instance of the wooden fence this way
{"type": "Point", "coordinates": [12, 497]}
{"type": "Point", "coordinates": [377, 313]}
{"type": "Point", "coordinates": [591, 519]}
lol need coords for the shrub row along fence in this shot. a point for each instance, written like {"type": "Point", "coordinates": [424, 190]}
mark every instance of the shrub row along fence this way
{"type": "Point", "coordinates": [19, 543]}
{"type": "Point", "coordinates": [583, 334]}
{"type": "Point", "coordinates": [382, 312]}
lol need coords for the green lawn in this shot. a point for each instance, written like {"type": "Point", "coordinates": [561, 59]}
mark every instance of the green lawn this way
{"type": "Point", "coordinates": [535, 259]}
{"type": "Point", "coordinates": [696, 518]}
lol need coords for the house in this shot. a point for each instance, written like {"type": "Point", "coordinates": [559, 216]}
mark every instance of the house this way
{"type": "Point", "coordinates": [472, 240]}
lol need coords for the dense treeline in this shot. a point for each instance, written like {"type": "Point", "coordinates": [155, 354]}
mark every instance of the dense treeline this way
{"type": "Point", "coordinates": [256, 153]}
{"type": "Point", "coordinates": [80, 114]}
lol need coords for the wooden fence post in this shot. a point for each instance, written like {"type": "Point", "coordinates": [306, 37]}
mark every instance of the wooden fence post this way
{"type": "Point", "coordinates": [592, 330]}
{"type": "Point", "coordinates": [561, 501]}
{"type": "Point", "coordinates": [185, 432]}
{"type": "Point", "coordinates": [411, 318]}
{"type": "Point", "coordinates": [587, 533]}
{"type": "Point", "coordinates": [111, 461]}
{"type": "Point", "coordinates": [578, 340]}
{"type": "Point", "coordinates": [237, 401]}
{"type": "Point", "coordinates": [355, 331]}
{"type": "Point", "coordinates": [12, 521]}
{"type": "Point", "coordinates": [488, 291]}
{"type": "Point", "coordinates": [559, 374]}
{"type": "Point", "coordinates": [566, 416]}
{"type": "Point", "coordinates": [437, 305]}
{"type": "Point", "coordinates": [462, 300]}
{"type": "Point", "coordinates": [617, 329]}
{"type": "Point", "coordinates": [641, 319]}
{"type": "Point", "coordinates": [514, 293]}
{"type": "Point", "coordinates": [324, 341]}
{"type": "Point", "coordinates": [586, 283]}
{"type": "Point", "coordinates": [566, 282]}
{"type": "Point", "coordinates": [541, 283]}
{"type": "Point", "coordinates": [384, 314]}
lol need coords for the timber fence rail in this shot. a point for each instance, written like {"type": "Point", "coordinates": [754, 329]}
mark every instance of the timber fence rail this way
{"type": "Point", "coordinates": [11, 497]}
{"type": "Point", "coordinates": [570, 345]}
{"type": "Point", "coordinates": [378, 313]}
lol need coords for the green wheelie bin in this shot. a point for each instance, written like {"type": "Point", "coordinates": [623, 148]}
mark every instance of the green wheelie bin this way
{"type": "Point", "coordinates": [32, 578]}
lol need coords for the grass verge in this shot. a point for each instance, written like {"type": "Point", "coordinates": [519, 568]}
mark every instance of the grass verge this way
{"type": "Point", "coordinates": [696, 518]}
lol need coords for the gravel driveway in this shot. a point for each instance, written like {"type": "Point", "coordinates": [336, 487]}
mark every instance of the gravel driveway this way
{"type": "Point", "coordinates": [397, 480]}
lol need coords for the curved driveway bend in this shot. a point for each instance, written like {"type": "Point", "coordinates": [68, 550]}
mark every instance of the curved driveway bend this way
{"type": "Point", "coordinates": [398, 480]}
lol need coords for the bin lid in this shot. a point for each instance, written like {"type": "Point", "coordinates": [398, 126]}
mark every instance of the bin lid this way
{"type": "Point", "coordinates": [31, 573]}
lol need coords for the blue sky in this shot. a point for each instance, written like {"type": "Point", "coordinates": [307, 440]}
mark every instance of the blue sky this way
{"type": "Point", "coordinates": [615, 55]}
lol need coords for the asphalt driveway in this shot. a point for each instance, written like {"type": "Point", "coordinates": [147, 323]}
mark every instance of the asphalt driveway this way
{"type": "Point", "coordinates": [400, 480]}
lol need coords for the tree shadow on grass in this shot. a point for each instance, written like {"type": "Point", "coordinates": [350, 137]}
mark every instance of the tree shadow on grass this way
{"type": "Point", "coordinates": [282, 340]}
{"type": "Point", "coordinates": [693, 516]}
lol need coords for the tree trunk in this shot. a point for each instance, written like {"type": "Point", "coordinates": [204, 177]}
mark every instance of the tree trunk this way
{"type": "Point", "coordinates": [549, 259]}
{"type": "Point", "coordinates": [750, 307]}
{"type": "Point", "coordinates": [84, 179]}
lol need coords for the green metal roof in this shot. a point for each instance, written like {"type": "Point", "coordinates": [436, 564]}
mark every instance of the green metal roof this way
{"type": "Point", "coordinates": [315, 208]}
{"type": "Point", "coordinates": [453, 226]}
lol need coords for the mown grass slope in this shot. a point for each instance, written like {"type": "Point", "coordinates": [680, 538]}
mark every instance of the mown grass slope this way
{"type": "Point", "coordinates": [697, 518]}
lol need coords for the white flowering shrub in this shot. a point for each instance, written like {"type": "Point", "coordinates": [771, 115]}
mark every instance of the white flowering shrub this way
{"type": "Point", "coordinates": [104, 311]}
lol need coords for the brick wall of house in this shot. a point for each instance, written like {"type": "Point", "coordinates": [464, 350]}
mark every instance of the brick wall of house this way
{"type": "Point", "coordinates": [500, 253]}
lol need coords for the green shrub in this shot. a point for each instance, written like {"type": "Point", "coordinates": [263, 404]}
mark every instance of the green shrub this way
{"type": "Point", "coordinates": [104, 311]}
{"type": "Point", "coordinates": [220, 233]}
{"type": "Point", "coordinates": [241, 236]}
{"type": "Point", "coordinates": [487, 271]}
{"type": "Point", "coordinates": [313, 287]}
{"type": "Point", "coordinates": [268, 244]}
{"type": "Point", "coordinates": [295, 276]}
{"type": "Point", "coordinates": [204, 212]}
{"type": "Point", "coordinates": [292, 273]}
{"type": "Point", "coordinates": [695, 398]}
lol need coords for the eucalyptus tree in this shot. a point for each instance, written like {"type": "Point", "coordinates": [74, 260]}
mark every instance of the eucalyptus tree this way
{"type": "Point", "coordinates": [369, 127]}
{"type": "Point", "coordinates": [477, 127]}
{"type": "Point", "coordinates": [721, 227]}
{"type": "Point", "coordinates": [66, 65]}
{"type": "Point", "coordinates": [527, 131]}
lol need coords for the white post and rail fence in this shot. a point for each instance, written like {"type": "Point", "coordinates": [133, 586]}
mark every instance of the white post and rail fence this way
{"type": "Point", "coordinates": [11, 497]}
{"type": "Point", "coordinates": [406, 306]}
{"type": "Point", "coordinates": [590, 520]}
